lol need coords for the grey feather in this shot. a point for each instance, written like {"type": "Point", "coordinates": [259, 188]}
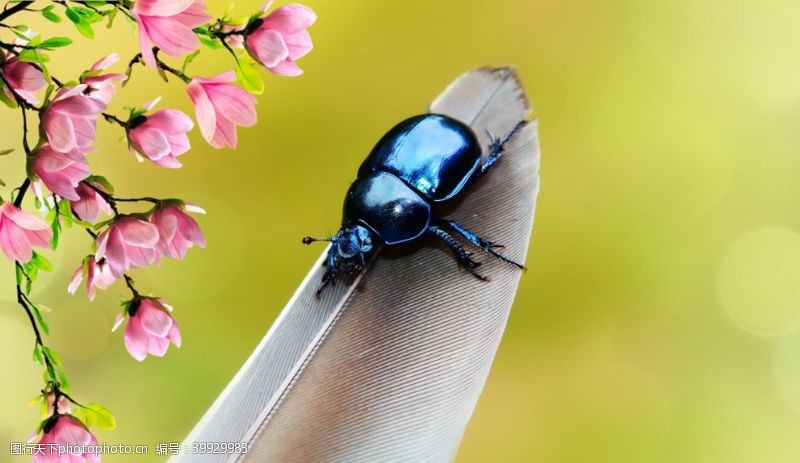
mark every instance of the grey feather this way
{"type": "Point", "coordinates": [390, 368]}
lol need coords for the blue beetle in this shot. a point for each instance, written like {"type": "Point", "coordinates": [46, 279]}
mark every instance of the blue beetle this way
{"type": "Point", "coordinates": [421, 162]}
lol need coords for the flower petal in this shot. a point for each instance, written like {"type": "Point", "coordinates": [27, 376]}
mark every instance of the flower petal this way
{"type": "Point", "coordinates": [136, 339]}
{"type": "Point", "coordinates": [290, 19]}
{"type": "Point", "coordinates": [154, 320]}
{"type": "Point", "coordinates": [204, 110]}
{"type": "Point", "coordinates": [150, 142]}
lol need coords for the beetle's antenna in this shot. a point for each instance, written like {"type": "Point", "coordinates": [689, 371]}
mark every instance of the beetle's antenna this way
{"type": "Point", "coordinates": [310, 239]}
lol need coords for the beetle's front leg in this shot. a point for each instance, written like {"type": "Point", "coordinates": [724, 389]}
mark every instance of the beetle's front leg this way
{"type": "Point", "coordinates": [497, 147]}
{"type": "Point", "coordinates": [329, 277]}
{"type": "Point", "coordinates": [461, 254]}
{"type": "Point", "coordinates": [486, 245]}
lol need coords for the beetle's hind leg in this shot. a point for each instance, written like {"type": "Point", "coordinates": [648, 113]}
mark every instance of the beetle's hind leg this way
{"type": "Point", "coordinates": [461, 254]}
{"type": "Point", "coordinates": [497, 147]}
{"type": "Point", "coordinates": [486, 245]}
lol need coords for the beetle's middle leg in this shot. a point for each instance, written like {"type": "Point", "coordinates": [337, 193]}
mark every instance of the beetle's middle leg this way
{"type": "Point", "coordinates": [486, 245]}
{"type": "Point", "coordinates": [461, 254]}
{"type": "Point", "coordinates": [497, 147]}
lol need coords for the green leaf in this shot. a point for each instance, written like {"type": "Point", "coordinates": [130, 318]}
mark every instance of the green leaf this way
{"type": "Point", "coordinates": [96, 415]}
{"type": "Point", "coordinates": [188, 60]}
{"type": "Point", "coordinates": [8, 101]}
{"type": "Point", "coordinates": [42, 262]}
{"type": "Point", "coordinates": [73, 15]}
{"type": "Point", "coordinates": [247, 73]}
{"type": "Point", "coordinates": [33, 56]}
{"type": "Point", "coordinates": [55, 42]}
{"type": "Point", "coordinates": [210, 43]}
{"type": "Point", "coordinates": [85, 29]}
{"type": "Point", "coordinates": [62, 379]}
{"type": "Point", "coordinates": [37, 354]}
{"type": "Point", "coordinates": [50, 15]}
{"type": "Point", "coordinates": [88, 14]}
{"type": "Point", "coordinates": [81, 20]}
{"type": "Point", "coordinates": [50, 353]}
{"type": "Point", "coordinates": [103, 182]}
{"type": "Point", "coordinates": [37, 312]}
{"type": "Point", "coordinates": [55, 226]}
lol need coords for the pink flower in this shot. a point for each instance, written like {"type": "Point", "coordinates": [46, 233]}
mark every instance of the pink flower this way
{"type": "Point", "coordinates": [168, 25]}
{"type": "Point", "coordinates": [62, 432]}
{"type": "Point", "coordinates": [90, 203]}
{"type": "Point", "coordinates": [98, 275]}
{"type": "Point", "coordinates": [101, 86]}
{"type": "Point", "coordinates": [161, 136]}
{"type": "Point", "coordinates": [150, 328]}
{"type": "Point", "coordinates": [60, 172]}
{"type": "Point", "coordinates": [177, 231]}
{"type": "Point", "coordinates": [20, 231]}
{"type": "Point", "coordinates": [220, 107]}
{"type": "Point", "coordinates": [128, 242]}
{"type": "Point", "coordinates": [280, 38]}
{"type": "Point", "coordinates": [23, 78]}
{"type": "Point", "coordinates": [70, 119]}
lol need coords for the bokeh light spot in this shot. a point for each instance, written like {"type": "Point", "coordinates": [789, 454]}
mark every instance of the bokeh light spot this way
{"type": "Point", "coordinates": [786, 370]}
{"type": "Point", "coordinates": [759, 282]}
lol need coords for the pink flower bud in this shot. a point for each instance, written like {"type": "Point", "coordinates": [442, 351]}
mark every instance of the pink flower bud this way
{"type": "Point", "coordinates": [59, 431]}
{"type": "Point", "coordinates": [101, 86]}
{"type": "Point", "coordinates": [90, 203]}
{"type": "Point", "coordinates": [70, 119]}
{"type": "Point", "coordinates": [161, 136]}
{"type": "Point", "coordinates": [61, 173]}
{"type": "Point", "coordinates": [24, 78]}
{"type": "Point", "coordinates": [220, 107]}
{"type": "Point", "coordinates": [150, 328]}
{"type": "Point", "coordinates": [128, 242]}
{"type": "Point", "coordinates": [20, 231]}
{"type": "Point", "coordinates": [168, 25]}
{"type": "Point", "coordinates": [98, 275]}
{"type": "Point", "coordinates": [281, 37]}
{"type": "Point", "coordinates": [177, 231]}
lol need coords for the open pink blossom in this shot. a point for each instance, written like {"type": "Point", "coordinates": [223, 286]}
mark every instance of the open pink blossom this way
{"type": "Point", "coordinates": [161, 136]}
{"type": "Point", "coordinates": [70, 120]}
{"type": "Point", "coordinates": [61, 173]}
{"type": "Point", "coordinates": [98, 275]}
{"type": "Point", "coordinates": [150, 328]}
{"type": "Point", "coordinates": [20, 231]}
{"type": "Point", "coordinates": [65, 432]}
{"type": "Point", "coordinates": [278, 39]}
{"type": "Point", "coordinates": [220, 106]}
{"type": "Point", "coordinates": [101, 86]}
{"type": "Point", "coordinates": [24, 78]}
{"type": "Point", "coordinates": [168, 25]}
{"type": "Point", "coordinates": [128, 242]}
{"type": "Point", "coordinates": [177, 231]}
{"type": "Point", "coordinates": [90, 204]}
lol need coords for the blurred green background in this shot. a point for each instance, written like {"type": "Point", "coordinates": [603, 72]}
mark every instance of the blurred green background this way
{"type": "Point", "coordinates": [658, 319]}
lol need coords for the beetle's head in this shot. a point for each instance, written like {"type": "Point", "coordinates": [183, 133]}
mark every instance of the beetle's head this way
{"type": "Point", "coordinates": [348, 254]}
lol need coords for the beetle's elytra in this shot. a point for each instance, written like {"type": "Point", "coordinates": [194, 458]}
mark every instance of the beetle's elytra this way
{"type": "Point", "coordinates": [422, 161]}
